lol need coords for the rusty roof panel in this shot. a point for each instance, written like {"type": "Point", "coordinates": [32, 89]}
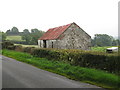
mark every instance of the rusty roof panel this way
{"type": "Point", "coordinates": [54, 33]}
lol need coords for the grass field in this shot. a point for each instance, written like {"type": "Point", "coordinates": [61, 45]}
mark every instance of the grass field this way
{"type": "Point", "coordinates": [36, 46]}
{"type": "Point", "coordinates": [14, 38]}
{"type": "Point", "coordinates": [101, 49]}
{"type": "Point", "coordinates": [93, 76]}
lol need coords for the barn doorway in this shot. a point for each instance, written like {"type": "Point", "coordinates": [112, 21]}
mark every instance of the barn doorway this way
{"type": "Point", "coordinates": [44, 44]}
{"type": "Point", "coordinates": [52, 44]}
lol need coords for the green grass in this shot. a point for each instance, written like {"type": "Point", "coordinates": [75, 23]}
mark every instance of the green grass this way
{"type": "Point", "coordinates": [93, 76]}
{"type": "Point", "coordinates": [14, 38]}
{"type": "Point", "coordinates": [101, 49]}
{"type": "Point", "coordinates": [28, 45]}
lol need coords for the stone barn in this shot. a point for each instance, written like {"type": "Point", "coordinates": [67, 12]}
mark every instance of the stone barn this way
{"type": "Point", "coordinates": [69, 36]}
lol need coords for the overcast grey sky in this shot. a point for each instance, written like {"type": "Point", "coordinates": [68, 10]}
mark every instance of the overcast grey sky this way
{"type": "Point", "coordinates": [94, 16]}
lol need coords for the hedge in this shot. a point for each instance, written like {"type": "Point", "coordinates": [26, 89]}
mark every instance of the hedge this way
{"type": "Point", "coordinates": [90, 59]}
{"type": "Point", "coordinates": [98, 60]}
{"type": "Point", "coordinates": [8, 45]}
{"type": "Point", "coordinates": [18, 42]}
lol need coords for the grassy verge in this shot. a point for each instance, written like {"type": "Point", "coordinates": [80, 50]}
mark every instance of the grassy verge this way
{"type": "Point", "coordinates": [97, 77]}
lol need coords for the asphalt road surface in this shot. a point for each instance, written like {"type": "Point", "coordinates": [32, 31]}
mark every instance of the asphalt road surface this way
{"type": "Point", "coordinates": [16, 74]}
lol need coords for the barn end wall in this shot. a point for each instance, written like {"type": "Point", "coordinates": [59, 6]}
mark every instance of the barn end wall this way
{"type": "Point", "coordinates": [74, 38]}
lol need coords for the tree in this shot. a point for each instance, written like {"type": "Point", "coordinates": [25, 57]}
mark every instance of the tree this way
{"type": "Point", "coordinates": [32, 38]}
{"type": "Point", "coordinates": [15, 31]}
{"type": "Point", "coordinates": [8, 32]}
{"type": "Point", "coordinates": [114, 42]}
{"type": "Point", "coordinates": [26, 31]}
{"type": "Point", "coordinates": [27, 38]}
{"type": "Point", "coordinates": [102, 40]}
{"type": "Point", "coordinates": [35, 33]}
{"type": "Point", "coordinates": [35, 30]}
{"type": "Point", "coordinates": [93, 42]}
{"type": "Point", "coordinates": [118, 42]}
{"type": "Point", "coordinates": [2, 36]}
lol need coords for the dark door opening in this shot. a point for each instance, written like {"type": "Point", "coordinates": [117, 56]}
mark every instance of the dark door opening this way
{"type": "Point", "coordinates": [44, 43]}
{"type": "Point", "coordinates": [52, 44]}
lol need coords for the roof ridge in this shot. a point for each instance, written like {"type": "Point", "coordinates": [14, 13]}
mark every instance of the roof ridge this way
{"type": "Point", "coordinates": [60, 26]}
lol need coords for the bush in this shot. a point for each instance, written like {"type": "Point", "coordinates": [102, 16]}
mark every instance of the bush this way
{"type": "Point", "coordinates": [18, 42]}
{"type": "Point", "coordinates": [18, 48]}
{"type": "Point", "coordinates": [7, 45]}
{"type": "Point", "coordinates": [28, 49]}
{"type": "Point", "coordinates": [90, 59]}
{"type": "Point", "coordinates": [98, 60]}
{"type": "Point", "coordinates": [11, 47]}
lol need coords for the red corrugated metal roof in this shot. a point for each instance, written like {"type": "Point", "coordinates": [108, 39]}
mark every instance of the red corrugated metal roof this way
{"type": "Point", "coordinates": [54, 33]}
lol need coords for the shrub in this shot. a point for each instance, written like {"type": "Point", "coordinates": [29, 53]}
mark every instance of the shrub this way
{"type": "Point", "coordinates": [18, 48]}
{"type": "Point", "coordinates": [90, 59]}
{"type": "Point", "coordinates": [28, 49]}
{"type": "Point", "coordinates": [11, 47]}
{"type": "Point", "coordinates": [7, 45]}
{"type": "Point", "coordinates": [18, 42]}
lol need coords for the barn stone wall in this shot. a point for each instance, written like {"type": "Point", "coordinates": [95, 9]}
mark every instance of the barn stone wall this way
{"type": "Point", "coordinates": [73, 38]}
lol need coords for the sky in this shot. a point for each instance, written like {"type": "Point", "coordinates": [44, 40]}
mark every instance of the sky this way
{"type": "Point", "coordinates": [93, 16]}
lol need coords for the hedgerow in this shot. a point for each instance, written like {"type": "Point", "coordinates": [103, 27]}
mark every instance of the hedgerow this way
{"type": "Point", "coordinates": [98, 60]}
{"type": "Point", "coordinates": [90, 59]}
{"type": "Point", "coordinates": [92, 76]}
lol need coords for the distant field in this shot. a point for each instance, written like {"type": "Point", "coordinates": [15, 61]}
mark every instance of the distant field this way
{"type": "Point", "coordinates": [28, 45]}
{"type": "Point", "coordinates": [101, 49]}
{"type": "Point", "coordinates": [14, 38]}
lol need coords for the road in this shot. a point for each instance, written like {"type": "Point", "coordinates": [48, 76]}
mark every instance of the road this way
{"type": "Point", "coordinates": [16, 74]}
